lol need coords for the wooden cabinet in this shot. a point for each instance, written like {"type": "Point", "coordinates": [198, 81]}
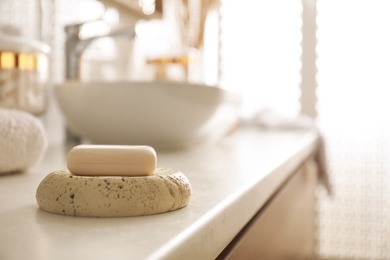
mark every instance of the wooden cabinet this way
{"type": "Point", "coordinates": [285, 227]}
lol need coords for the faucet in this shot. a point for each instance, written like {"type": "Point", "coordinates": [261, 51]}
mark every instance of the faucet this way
{"type": "Point", "coordinates": [75, 46]}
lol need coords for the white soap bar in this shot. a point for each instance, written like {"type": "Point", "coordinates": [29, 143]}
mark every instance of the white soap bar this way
{"type": "Point", "coordinates": [112, 160]}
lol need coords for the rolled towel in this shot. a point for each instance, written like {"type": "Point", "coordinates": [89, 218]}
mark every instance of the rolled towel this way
{"type": "Point", "coordinates": [23, 140]}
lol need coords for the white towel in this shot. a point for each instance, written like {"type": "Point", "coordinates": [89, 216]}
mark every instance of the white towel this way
{"type": "Point", "coordinates": [272, 120]}
{"type": "Point", "coordinates": [23, 140]}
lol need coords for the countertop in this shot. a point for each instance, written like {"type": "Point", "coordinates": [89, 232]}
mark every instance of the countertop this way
{"type": "Point", "coordinates": [231, 181]}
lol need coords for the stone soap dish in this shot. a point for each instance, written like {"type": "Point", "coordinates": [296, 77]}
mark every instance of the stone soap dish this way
{"type": "Point", "coordinates": [159, 113]}
{"type": "Point", "coordinates": [63, 193]}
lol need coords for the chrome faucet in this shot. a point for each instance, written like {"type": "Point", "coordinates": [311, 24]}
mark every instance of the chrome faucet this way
{"type": "Point", "coordinates": [75, 46]}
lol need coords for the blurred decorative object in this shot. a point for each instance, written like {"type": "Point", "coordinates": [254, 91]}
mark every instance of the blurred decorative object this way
{"type": "Point", "coordinates": [161, 67]}
{"type": "Point", "coordinates": [192, 15]}
{"type": "Point", "coordinates": [182, 44]}
{"type": "Point", "coordinates": [161, 114]}
{"type": "Point", "coordinates": [25, 30]}
{"type": "Point", "coordinates": [23, 140]}
{"type": "Point", "coordinates": [148, 6]}
{"type": "Point", "coordinates": [142, 9]}
{"type": "Point", "coordinates": [24, 76]}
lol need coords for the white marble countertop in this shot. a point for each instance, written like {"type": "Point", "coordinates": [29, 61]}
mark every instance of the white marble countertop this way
{"type": "Point", "coordinates": [231, 181]}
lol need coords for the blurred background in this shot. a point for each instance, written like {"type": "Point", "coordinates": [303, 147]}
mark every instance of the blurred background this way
{"type": "Point", "coordinates": [254, 47]}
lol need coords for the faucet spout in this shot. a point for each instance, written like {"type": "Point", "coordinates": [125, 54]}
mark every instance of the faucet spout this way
{"type": "Point", "coordinates": [75, 46]}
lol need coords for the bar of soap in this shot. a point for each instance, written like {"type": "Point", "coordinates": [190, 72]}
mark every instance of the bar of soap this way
{"type": "Point", "coordinates": [63, 193]}
{"type": "Point", "coordinates": [112, 160]}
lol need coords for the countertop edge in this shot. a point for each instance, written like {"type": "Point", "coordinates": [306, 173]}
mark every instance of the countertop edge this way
{"type": "Point", "coordinates": [214, 231]}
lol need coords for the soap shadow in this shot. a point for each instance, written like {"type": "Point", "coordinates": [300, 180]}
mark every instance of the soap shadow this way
{"type": "Point", "coordinates": [46, 219]}
{"type": "Point", "coordinates": [50, 221]}
{"type": "Point", "coordinates": [13, 173]}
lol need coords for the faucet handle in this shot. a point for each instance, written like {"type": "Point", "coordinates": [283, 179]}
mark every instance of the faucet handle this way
{"type": "Point", "coordinates": [73, 30]}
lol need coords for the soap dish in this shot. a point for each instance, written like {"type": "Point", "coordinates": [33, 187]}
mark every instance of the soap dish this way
{"type": "Point", "coordinates": [63, 193]}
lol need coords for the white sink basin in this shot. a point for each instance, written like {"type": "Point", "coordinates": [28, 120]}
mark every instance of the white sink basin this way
{"type": "Point", "coordinates": [160, 114]}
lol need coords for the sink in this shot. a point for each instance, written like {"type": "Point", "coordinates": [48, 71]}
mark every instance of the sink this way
{"type": "Point", "coordinates": [161, 114]}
